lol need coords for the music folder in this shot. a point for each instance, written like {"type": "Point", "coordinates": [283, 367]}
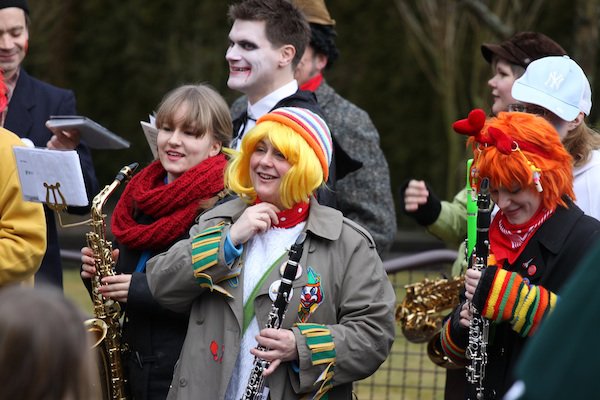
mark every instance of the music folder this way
{"type": "Point", "coordinates": [52, 177]}
{"type": "Point", "coordinates": [92, 133]}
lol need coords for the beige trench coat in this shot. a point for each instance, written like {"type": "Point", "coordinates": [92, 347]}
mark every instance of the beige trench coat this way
{"type": "Point", "coordinates": [358, 307]}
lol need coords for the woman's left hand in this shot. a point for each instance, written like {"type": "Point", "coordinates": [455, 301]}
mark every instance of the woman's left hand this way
{"type": "Point", "coordinates": [472, 277]}
{"type": "Point", "coordinates": [281, 345]}
{"type": "Point", "coordinates": [116, 287]}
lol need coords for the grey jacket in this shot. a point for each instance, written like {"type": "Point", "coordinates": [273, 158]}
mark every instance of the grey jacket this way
{"type": "Point", "coordinates": [363, 196]}
{"type": "Point", "coordinates": [357, 307]}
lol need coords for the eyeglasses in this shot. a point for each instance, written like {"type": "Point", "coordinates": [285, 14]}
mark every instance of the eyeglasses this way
{"type": "Point", "coordinates": [528, 108]}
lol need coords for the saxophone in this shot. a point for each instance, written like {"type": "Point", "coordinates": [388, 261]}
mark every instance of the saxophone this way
{"type": "Point", "coordinates": [479, 326]}
{"type": "Point", "coordinates": [107, 311]}
{"type": "Point", "coordinates": [255, 389]}
{"type": "Point", "coordinates": [422, 310]}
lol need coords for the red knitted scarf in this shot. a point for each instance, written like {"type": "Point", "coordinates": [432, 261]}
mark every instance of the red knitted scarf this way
{"type": "Point", "coordinates": [173, 206]}
{"type": "Point", "coordinates": [507, 241]}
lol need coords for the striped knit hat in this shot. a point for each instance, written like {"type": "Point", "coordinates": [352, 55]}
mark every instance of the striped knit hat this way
{"type": "Point", "coordinates": [310, 126]}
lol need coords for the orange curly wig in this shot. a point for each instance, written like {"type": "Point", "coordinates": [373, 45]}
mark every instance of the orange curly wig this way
{"type": "Point", "coordinates": [513, 145]}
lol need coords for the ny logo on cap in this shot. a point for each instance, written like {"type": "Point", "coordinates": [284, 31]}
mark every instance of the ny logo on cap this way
{"type": "Point", "coordinates": [555, 79]}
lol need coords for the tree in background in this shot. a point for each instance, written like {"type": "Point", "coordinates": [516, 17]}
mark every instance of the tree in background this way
{"type": "Point", "coordinates": [414, 65]}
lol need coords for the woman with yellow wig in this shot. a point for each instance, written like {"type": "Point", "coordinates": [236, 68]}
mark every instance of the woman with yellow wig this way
{"type": "Point", "coordinates": [339, 323]}
{"type": "Point", "coordinates": [537, 238]}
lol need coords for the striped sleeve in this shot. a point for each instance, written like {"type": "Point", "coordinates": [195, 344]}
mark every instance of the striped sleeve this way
{"type": "Point", "coordinates": [451, 348]}
{"type": "Point", "coordinates": [322, 347]}
{"type": "Point", "coordinates": [205, 253]}
{"type": "Point", "coordinates": [454, 338]}
{"type": "Point", "coordinates": [511, 299]}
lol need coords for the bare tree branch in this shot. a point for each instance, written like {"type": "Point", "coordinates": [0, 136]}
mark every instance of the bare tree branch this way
{"type": "Point", "coordinates": [490, 19]}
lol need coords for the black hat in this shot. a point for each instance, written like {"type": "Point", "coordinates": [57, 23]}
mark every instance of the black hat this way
{"type": "Point", "coordinates": [22, 4]}
{"type": "Point", "coordinates": [523, 48]}
{"type": "Point", "coordinates": [322, 40]}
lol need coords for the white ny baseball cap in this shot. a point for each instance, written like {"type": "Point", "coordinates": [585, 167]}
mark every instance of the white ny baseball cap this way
{"type": "Point", "coordinates": [557, 84]}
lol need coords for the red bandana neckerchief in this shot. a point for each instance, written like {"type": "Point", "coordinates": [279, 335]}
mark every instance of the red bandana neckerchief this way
{"type": "Point", "coordinates": [508, 240]}
{"type": "Point", "coordinates": [173, 206]}
{"type": "Point", "coordinates": [292, 216]}
{"type": "Point", "coordinates": [313, 83]}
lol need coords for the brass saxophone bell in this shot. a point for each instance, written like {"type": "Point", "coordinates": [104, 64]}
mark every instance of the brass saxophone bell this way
{"type": "Point", "coordinates": [97, 330]}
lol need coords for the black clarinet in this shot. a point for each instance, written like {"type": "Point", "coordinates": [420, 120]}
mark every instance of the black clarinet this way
{"type": "Point", "coordinates": [479, 326]}
{"type": "Point", "coordinates": [255, 390]}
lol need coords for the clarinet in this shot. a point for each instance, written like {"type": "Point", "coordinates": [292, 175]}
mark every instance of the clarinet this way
{"type": "Point", "coordinates": [255, 389]}
{"type": "Point", "coordinates": [479, 326]}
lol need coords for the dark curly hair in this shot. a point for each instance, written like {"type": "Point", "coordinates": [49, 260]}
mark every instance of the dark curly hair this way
{"type": "Point", "coordinates": [322, 40]}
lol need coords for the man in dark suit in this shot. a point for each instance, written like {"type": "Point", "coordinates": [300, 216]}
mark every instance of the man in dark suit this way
{"type": "Point", "coordinates": [30, 103]}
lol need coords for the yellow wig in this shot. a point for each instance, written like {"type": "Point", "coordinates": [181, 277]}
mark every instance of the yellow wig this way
{"type": "Point", "coordinates": [513, 146]}
{"type": "Point", "coordinates": [302, 179]}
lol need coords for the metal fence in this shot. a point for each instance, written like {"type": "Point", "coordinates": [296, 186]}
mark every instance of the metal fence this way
{"type": "Point", "coordinates": [408, 374]}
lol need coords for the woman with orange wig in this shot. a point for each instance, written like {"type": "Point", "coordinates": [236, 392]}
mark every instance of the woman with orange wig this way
{"type": "Point", "coordinates": [536, 238]}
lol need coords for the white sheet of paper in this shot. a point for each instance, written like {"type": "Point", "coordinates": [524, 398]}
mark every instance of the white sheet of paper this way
{"type": "Point", "coordinates": [37, 166]}
{"type": "Point", "coordinates": [151, 133]}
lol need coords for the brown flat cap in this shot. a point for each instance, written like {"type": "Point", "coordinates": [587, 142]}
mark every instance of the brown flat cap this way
{"type": "Point", "coordinates": [315, 11]}
{"type": "Point", "coordinates": [523, 48]}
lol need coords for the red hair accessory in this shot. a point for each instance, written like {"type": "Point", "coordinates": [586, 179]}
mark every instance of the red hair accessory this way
{"type": "Point", "coordinates": [472, 125]}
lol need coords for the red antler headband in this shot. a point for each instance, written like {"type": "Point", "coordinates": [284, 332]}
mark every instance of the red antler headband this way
{"type": "Point", "coordinates": [473, 126]}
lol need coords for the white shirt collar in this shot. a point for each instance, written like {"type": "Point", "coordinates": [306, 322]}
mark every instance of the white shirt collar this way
{"type": "Point", "coordinates": [265, 104]}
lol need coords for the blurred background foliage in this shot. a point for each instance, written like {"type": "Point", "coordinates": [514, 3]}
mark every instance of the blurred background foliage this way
{"type": "Point", "coordinates": [414, 65]}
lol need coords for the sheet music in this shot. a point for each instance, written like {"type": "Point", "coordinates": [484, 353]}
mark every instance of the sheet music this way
{"type": "Point", "coordinates": [151, 133]}
{"type": "Point", "coordinates": [60, 168]}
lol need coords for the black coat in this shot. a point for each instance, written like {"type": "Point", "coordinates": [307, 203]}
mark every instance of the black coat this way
{"type": "Point", "coordinates": [555, 249]}
{"type": "Point", "coordinates": [31, 105]}
{"type": "Point", "coordinates": [153, 334]}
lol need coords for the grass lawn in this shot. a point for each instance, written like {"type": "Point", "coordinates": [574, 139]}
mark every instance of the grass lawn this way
{"type": "Point", "coordinates": [75, 290]}
{"type": "Point", "coordinates": [407, 374]}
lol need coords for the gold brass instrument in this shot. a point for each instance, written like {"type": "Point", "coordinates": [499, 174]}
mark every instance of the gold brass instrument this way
{"type": "Point", "coordinates": [422, 310]}
{"type": "Point", "coordinates": [107, 311]}
{"type": "Point", "coordinates": [97, 329]}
